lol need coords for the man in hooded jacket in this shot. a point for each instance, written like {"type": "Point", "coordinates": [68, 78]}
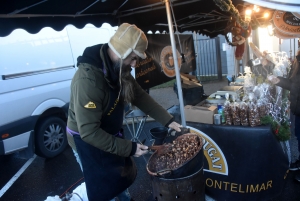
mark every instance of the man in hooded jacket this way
{"type": "Point", "coordinates": [100, 88]}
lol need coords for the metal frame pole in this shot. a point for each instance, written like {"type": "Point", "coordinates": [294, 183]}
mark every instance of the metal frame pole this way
{"type": "Point", "coordinates": [178, 79]}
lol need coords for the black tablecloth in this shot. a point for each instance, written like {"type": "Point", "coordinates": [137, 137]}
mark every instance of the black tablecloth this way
{"type": "Point", "coordinates": [242, 163]}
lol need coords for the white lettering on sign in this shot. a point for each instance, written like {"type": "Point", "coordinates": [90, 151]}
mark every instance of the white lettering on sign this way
{"type": "Point", "coordinates": [215, 158]}
{"type": "Point", "coordinates": [238, 188]}
{"type": "Point", "coordinates": [286, 23]}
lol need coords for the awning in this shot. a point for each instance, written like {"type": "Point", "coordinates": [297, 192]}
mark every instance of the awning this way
{"type": "Point", "coordinates": [202, 16]}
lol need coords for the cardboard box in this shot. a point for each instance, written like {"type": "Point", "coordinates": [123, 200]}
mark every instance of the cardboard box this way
{"type": "Point", "coordinates": [188, 77]}
{"type": "Point", "coordinates": [200, 114]}
{"type": "Point", "coordinates": [191, 84]}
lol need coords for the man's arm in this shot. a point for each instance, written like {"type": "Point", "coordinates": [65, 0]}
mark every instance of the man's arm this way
{"type": "Point", "coordinates": [149, 106]}
{"type": "Point", "coordinates": [280, 81]}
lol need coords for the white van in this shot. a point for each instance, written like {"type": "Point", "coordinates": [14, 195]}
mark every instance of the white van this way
{"type": "Point", "coordinates": [35, 76]}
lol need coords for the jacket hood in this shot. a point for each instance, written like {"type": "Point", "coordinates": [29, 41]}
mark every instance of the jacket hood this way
{"type": "Point", "coordinates": [97, 56]}
{"type": "Point", "coordinates": [91, 55]}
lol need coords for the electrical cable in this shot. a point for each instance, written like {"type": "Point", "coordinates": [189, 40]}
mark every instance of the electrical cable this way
{"type": "Point", "coordinates": [78, 196]}
{"type": "Point", "coordinates": [70, 187]}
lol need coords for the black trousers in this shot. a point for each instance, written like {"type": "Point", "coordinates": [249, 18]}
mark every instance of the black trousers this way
{"type": "Point", "coordinates": [106, 175]}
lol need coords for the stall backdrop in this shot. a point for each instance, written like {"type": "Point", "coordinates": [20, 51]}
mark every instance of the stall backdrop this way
{"type": "Point", "coordinates": [159, 66]}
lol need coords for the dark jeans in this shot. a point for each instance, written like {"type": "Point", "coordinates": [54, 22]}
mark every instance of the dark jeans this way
{"type": "Point", "coordinates": [124, 196]}
{"type": "Point", "coordinates": [106, 175]}
{"type": "Point", "coordinates": [297, 131]}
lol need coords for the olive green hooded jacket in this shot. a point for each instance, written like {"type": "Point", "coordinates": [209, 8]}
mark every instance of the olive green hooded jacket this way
{"type": "Point", "coordinates": [90, 87]}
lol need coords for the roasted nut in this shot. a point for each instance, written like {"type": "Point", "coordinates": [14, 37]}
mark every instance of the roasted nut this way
{"type": "Point", "coordinates": [183, 149]}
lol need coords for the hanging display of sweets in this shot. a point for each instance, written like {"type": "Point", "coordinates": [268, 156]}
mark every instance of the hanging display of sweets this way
{"type": "Point", "coordinates": [262, 102]}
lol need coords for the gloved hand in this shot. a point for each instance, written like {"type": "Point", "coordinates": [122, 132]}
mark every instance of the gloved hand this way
{"type": "Point", "coordinates": [140, 150]}
{"type": "Point", "coordinates": [273, 79]}
{"type": "Point", "coordinates": [176, 126]}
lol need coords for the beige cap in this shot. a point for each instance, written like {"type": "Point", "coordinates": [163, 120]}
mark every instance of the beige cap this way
{"type": "Point", "coordinates": [128, 38]}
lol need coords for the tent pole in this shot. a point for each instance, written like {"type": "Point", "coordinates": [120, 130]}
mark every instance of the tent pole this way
{"type": "Point", "coordinates": [174, 50]}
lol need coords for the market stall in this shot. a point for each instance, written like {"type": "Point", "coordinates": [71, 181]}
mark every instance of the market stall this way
{"type": "Point", "coordinates": [244, 159]}
{"type": "Point", "coordinates": [246, 127]}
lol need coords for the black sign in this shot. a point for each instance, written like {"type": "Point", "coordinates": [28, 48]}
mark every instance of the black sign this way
{"type": "Point", "coordinates": [287, 23]}
{"type": "Point", "coordinates": [242, 163]}
{"type": "Point", "coordinates": [159, 67]}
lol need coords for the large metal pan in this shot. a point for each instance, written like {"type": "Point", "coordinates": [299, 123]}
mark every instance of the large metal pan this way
{"type": "Point", "coordinates": [189, 167]}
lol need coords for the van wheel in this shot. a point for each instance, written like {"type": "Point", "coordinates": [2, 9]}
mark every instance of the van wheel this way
{"type": "Point", "coordinates": [50, 137]}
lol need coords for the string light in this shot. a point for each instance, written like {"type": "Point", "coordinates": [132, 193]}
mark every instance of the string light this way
{"type": "Point", "coordinates": [248, 13]}
{"type": "Point", "coordinates": [266, 15]}
{"type": "Point", "coordinates": [256, 8]}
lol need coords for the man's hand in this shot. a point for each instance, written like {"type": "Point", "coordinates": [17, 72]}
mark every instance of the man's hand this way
{"type": "Point", "coordinates": [140, 150]}
{"type": "Point", "coordinates": [176, 126]}
{"type": "Point", "coordinates": [273, 79]}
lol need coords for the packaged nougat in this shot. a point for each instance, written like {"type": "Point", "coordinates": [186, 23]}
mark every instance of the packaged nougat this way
{"type": "Point", "coordinates": [227, 110]}
{"type": "Point", "coordinates": [262, 108]}
{"type": "Point", "coordinates": [254, 118]}
{"type": "Point", "coordinates": [235, 111]}
{"type": "Point", "coordinates": [244, 113]}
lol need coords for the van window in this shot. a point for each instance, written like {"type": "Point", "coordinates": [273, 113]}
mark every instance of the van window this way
{"type": "Point", "coordinates": [88, 36]}
{"type": "Point", "coordinates": [24, 52]}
